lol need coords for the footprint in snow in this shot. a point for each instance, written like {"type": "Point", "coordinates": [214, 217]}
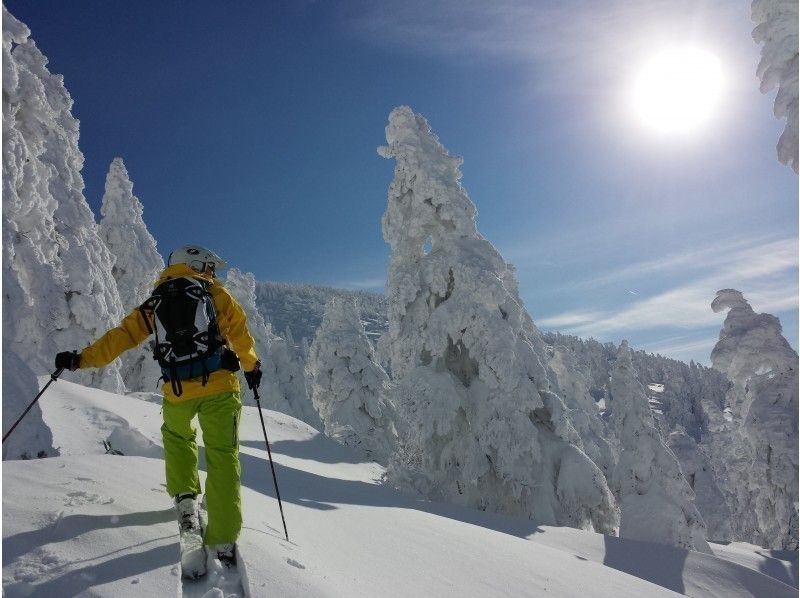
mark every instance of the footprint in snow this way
{"type": "Point", "coordinates": [294, 563]}
{"type": "Point", "coordinates": [75, 499]}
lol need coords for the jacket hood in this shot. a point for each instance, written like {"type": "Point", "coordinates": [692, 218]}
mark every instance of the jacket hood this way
{"type": "Point", "coordinates": [181, 270]}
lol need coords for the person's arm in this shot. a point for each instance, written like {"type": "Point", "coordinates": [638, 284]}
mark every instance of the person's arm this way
{"type": "Point", "coordinates": [131, 332]}
{"type": "Point", "coordinates": [233, 327]}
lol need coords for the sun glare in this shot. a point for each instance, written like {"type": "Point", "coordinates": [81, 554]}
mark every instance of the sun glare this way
{"type": "Point", "coordinates": [677, 90]}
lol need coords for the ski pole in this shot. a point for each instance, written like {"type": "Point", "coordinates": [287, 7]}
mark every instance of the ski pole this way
{"type": "Point", "coordinates": [272, 466]}
{"type": "Point", "coordinates": [53, 377]}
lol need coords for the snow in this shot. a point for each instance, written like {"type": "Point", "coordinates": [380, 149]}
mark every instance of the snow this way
{"type": "Point", "coordinates": [86, 523]}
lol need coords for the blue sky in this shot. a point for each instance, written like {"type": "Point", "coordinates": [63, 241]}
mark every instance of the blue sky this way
{"type": "Point", "coordinates": [252, 129]}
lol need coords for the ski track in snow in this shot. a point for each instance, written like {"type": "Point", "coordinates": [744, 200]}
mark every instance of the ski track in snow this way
{"type": "Point", "coordinates": [91, 524]}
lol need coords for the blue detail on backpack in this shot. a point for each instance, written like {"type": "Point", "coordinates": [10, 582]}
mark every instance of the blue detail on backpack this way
{"type": "Point", "coordinates": [195, 370]}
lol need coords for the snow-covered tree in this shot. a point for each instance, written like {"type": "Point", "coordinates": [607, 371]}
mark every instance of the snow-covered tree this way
{"type": "Point", "coordinates": [58, 291]}
{"type": "Point", "coordinates": [763, 407]}
{"type": "Point", "coordinates": [699, 473]}
{"type": "Point", "coordinates": [584, 413]}
{"type": "Point", "coordinates": [347, 386]}
{"type": "Point", "coordinates": [478, 421]}
{"type": "Point", "coordinates": [656, 502]}
{"type": "Point", "coordinates": [776, 30]}
{"type": "Point", "coordinates": [137, 265]}
{"type": "Point", "coordinates": [283, 386]}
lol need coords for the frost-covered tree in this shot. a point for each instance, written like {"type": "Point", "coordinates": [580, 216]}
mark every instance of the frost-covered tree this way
{"type": "Point", "coordinates": [478, 421]}
{"type": "Point", "coordinates": [691, 401]}
{"type": "Point", "coordinates": [584, 412]}
{"type": "Point", "coordinates": [283, 386]}
{"type": "Point", "coordinates": [58, 291]}
{"type": "Point", "coordinates": [763, 408]}
{"type": "Point", "coordinates": [776, 31]}
{"type": "Point", "coordinates": [656, 502]}
{"type": "Point", "coordinates": [699, 473]}
{"type": "Point", "coordinates": [347, 386]}
{"type": "Point", "coordinates": [137, 265]}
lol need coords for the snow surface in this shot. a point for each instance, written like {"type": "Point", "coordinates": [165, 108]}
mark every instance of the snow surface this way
{"type": "Point", "coordinates": [91, 524]}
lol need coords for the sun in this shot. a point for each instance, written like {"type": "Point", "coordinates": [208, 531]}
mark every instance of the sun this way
{"type": "Point", "coordinates": [677, 90]}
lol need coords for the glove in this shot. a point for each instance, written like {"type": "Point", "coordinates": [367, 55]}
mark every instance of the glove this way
{"type": "Point", "coordinates": [253, 377]}
{"type": "Point", "coordinates": [68, 360]}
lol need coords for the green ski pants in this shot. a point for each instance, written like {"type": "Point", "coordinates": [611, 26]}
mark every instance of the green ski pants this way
{"type": "Point", "coordinates": [219, 420]}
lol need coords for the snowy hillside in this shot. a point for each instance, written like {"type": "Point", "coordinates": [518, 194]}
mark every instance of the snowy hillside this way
{"type": "Point", "coordinates": [88, 523]}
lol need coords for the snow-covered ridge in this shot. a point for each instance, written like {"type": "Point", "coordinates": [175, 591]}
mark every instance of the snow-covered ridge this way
{"type": "Point", "coordinates": [98, 524]}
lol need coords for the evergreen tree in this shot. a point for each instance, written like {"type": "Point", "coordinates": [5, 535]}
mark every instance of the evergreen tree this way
{"type": "Point", "coordinates": [776, 30]}
{"type": "Point", "coordinates": [762, 405]}
{"type": "Point", "coordinates": [283, 385]}
{"type": "Point", "coordinates": [478, 420]}
{"type": "Point", "coordinates": [137, 265]}
{"type": "Point", "coordinates": [347, 386]}
{"type": "Point", "coordinates": [656, 502]}
{"type": "Point", "coordinates": [58, 289]}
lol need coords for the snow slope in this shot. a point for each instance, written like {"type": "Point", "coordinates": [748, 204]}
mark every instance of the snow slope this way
{"type": "Point", "coordinates": [87, 523]}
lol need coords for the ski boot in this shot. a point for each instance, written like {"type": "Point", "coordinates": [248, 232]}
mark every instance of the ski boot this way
{"type": "Point", "coordinates": [193, 551]}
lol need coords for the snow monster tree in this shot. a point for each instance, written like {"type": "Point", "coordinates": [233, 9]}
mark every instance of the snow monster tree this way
{"type": "Point", "coordinates": [137, 265]}
{"type": "Point", "coordinates": [656, 501]}
{"type": "Point", "coordinates": [776, 31]}
{"type": "Point", "coordinates": [478, 422]}
{"type": "Point", "coordinates": [347, 386]}
{"type": "Point", "coordinates": [58, 290]}
{"type": "Point", "coordinates": [763, 403]}
{"type": "Point", "coordinates": [283, 387]}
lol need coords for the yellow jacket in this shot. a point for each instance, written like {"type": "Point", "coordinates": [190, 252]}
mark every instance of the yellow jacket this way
{"type": "Point", "coordinates": [134, 330]}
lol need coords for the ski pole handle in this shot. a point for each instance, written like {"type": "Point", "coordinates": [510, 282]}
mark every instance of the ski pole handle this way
{"type": "Point", "coordinates": [53, 377]}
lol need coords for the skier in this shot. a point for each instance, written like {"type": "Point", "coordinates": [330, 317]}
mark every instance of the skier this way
{"type": "Point", "coordinates": [200, 330]}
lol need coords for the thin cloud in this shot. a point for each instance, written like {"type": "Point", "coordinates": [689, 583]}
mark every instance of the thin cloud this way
{"type": "Point", "coordinates": [722, 254]}
{"type": "Point", "coordinates": [765, 273]}
{"type": "Point", "coordinates": [590, 37]}
{"type": "Point", "coordinates": [682, 348]}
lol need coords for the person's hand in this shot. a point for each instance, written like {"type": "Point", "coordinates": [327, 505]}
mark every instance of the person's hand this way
{"type": "Point", "coordinates": [68, 360]}
{"type": "Point", "coordinates": [253, 377]}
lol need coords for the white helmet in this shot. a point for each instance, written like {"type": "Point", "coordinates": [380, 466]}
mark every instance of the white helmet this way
{"type": "Point", "coordinates": [197, 258]}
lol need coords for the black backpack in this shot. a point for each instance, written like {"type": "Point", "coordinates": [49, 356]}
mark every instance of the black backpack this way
{"type": "Point", "coordinates": [188, 343]}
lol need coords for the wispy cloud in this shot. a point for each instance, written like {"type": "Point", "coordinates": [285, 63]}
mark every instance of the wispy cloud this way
{"type": "Point", "coordinates": [681, 346]}
{"type": "Point", "coordinates": [765, 272]}
{"type": "Point", "coordinates": [723, 254]}
{"type": "Point", "coordinates": [593, 37]}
